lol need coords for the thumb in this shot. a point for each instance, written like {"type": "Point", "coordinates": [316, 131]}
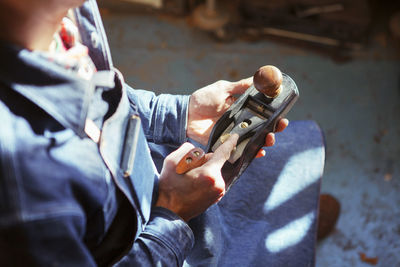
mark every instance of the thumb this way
{"type": "Point", "coordinates": [223, 152]}
{"type": "Point", "coordinates": [179, 153]}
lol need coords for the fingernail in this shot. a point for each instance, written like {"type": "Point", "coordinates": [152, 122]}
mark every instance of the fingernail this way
{"type": "Point", "coordinates": [286, 121]}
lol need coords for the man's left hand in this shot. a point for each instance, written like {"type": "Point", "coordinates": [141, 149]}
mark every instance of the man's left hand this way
{"type": "Point", "coordinates": [209, 103]}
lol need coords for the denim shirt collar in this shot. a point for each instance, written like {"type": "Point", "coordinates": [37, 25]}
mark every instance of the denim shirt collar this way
{"type": "Point", "coordinates": [62, 94]}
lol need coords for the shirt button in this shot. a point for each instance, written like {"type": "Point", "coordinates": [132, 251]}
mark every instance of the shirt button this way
{"type": "Point", "coordinates": [94, 37]}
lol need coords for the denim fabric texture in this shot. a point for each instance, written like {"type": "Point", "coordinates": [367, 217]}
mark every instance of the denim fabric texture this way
{"type": "Point", "coordinates": [68, 199]}
{"type": "Point", "coordinates": [63, 194]}
{"type": "Point", "coordinates": [269, 216]}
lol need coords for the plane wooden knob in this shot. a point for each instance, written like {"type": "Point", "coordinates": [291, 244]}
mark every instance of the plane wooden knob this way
{"type": "Point", "coordinates": [268, 80]}
{"type": "Point", "coordinates": [193, 159]}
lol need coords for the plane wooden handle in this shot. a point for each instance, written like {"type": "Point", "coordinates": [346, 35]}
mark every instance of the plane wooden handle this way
{"type": "Point", "coordinates": [193, 159]}
{"type": "Point", "coordinates": [268, 80]}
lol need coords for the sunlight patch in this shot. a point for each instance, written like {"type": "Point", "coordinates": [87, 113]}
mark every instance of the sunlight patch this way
{"type": "Point", "coordinates": [290, 234]}
{"type": "Point", "coordinates": [300, 171]}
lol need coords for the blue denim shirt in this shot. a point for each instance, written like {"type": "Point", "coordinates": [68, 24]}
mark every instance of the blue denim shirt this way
{"type": "Point", "coordinates": [77, 181]}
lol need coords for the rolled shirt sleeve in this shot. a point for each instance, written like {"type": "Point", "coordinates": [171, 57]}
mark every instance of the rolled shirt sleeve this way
{"type": "Point", "coordinates": [166, 241]}
{"type": "Point", "coordinates": [164, 117]}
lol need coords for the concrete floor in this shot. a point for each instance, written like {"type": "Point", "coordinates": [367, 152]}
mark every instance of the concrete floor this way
{"type": "Point", "coordinates": [357, 104]}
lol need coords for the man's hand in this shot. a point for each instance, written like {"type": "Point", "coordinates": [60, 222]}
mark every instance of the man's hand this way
{"type": "Point", "coordinates": [190, 194]}
{"type": "Point", "coordinates": [209, 103]}
{"type": "Point", "coordinates": [270, 138]}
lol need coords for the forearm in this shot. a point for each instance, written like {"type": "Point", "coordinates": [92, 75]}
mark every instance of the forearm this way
{"type": "Point", "coordinates": [164, 117]}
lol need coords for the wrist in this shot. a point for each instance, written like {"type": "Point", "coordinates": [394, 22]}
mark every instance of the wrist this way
{"type": "Point", "coordinates": [167, 203]}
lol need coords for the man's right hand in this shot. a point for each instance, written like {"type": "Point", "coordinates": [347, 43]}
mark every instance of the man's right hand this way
{"type": "Point", "coordinates": [190, 194]}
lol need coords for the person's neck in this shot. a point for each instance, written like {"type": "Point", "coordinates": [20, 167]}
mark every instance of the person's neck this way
{"type": "Point", "coordinates": [30, 27]}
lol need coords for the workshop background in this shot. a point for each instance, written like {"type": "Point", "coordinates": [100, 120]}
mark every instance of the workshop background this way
{"type": "Point", "coordinates": [343, 55]}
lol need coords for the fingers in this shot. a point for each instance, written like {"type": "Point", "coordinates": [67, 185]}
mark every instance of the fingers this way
{"type": "Point", "coordinates": [260, 153]}
{"type": "Point", "coordinates": [178, 154]}
{"type": "Point", "coordinates": [282, 124]}
{"type": "Point", "coordinates": [270, 139]}
{"type": "Point", "coordinates": [241, 86]}
{"type": "Point", "coordinates": [193, 159]}
{"type": "Point", "coordinates": [230, 100]}
{"type": "Point", "coordinates": [222, 153]}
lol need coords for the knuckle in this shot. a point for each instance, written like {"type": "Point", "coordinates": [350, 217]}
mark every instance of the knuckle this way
{"type": "Point", "coordinates": [222, 82]}
{"type": "Point", "coordinates": [169, 160]}
{"type": "Point", "coordinates": [220, 188]}
{"type": "Point", "coordinates": [208, 176]}
{"type": "Point", "coordinates": [187, 145]}
{"type": "Point", "coordinates": [242, 83]}
{"type": "Point", "coordinates": [214, 180]}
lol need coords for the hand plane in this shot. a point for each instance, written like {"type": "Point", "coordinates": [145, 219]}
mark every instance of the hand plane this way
{"type": "Point", "coordinates": [252, 116]}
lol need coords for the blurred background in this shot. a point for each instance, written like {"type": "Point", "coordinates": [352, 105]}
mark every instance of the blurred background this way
{"type": "Point", "coordinates": [344, 56]}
